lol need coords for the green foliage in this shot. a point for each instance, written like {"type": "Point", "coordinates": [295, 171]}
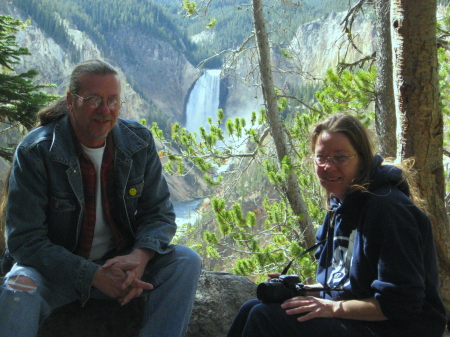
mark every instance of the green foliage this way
{"type": "Point", "coordinates": [190, 7]}
{"type": "Point", "coordinates": [211, 24]}
{"type": "Point", "coordinates": [20, 99]}
{"type": "Point", "coordinates": [261, 240]}
{"type": "Point", "coordinates": [347, 91]}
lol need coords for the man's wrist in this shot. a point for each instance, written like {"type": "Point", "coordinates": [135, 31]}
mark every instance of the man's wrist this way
{"type": "Point", "coordinates": [144, 254]}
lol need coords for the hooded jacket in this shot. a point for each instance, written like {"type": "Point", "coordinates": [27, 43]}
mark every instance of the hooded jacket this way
{"type": "Point", "coordinates": [380, 244]}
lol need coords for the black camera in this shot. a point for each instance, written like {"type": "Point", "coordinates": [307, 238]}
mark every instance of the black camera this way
{"type": "Point", "coordinates": [278, 290]}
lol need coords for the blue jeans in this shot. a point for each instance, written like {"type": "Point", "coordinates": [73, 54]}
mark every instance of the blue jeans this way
{"type": "Point", "coordinates": [168, 307]}
{"type": "Point", "coordinates": [256, 319]}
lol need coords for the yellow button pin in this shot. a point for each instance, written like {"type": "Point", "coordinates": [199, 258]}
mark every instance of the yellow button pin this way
{"type": "Point", "coordinates": [132, 191]}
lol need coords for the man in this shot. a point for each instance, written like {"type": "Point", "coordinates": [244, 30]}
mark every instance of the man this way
{"type": "Point", "coordinates": [88, 215]}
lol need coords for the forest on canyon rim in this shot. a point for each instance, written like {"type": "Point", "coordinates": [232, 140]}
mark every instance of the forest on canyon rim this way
{"type": "Point", "coordinates": [254, 226]}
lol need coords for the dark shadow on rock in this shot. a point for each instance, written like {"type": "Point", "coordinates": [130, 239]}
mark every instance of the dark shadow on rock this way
{"type": "Point", "coordinates": [98, 318]}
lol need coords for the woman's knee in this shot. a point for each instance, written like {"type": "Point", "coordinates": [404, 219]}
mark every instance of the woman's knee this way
{"type": "Point", "coordinates": [247, 306]}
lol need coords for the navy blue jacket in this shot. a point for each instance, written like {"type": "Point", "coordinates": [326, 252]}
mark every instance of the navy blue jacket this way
{"type": "Point", "coordinates": [379, 244]}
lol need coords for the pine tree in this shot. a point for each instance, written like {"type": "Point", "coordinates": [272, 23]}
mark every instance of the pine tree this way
{"type": "Point", "coordinates": [20, 98]}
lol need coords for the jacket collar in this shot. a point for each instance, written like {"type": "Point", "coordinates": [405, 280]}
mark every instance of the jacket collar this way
{"type": "Point", "coordinates": [63, 148]}
{"type": "Point", "coordinates": [126, 141]}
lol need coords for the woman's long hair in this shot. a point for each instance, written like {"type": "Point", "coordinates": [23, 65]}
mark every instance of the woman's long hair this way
{"type": "Point", "coordinates": [358, 136]}
{"type": "Point", "coordinates": [361, 141]}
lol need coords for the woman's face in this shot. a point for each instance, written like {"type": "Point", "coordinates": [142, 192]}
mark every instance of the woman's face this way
{"type": "Point", "coordinates": [333, 176]}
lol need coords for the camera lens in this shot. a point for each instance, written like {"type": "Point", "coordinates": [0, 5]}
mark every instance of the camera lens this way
{"type": "Point", "coordinates": [271, 292]}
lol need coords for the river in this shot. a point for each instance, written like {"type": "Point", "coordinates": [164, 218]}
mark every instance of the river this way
{"type": "Point", "coordinates": [185, 211]}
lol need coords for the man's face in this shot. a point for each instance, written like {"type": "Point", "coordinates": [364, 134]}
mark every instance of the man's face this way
{"type": "Point", "coordinates": [90, 123]}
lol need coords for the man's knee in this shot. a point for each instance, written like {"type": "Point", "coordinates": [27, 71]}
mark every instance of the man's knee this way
{"type": "Point", "coordinates": [22, 283]}
{"type": "Point", "coordinates": [190, 256]}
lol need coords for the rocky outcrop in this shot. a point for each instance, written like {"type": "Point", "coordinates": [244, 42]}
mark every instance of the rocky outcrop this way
{"type": "Point", "coordinates": [316, 46]}
{"type": "Point", "coordinates": [218, 299]}
{"type": "Point", "coordinates": [153, 72]}
{"type": "Point", "coordinates": [161, 74]}
{"type": "Point", "coordinates": [322, 44]}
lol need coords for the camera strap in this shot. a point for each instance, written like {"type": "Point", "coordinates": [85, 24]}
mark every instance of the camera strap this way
{"type": "Point", "coordinates": [285, 270]}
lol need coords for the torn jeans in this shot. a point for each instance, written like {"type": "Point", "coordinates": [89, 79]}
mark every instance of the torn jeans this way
{"type": "Point", "coordinates": [168, 308]}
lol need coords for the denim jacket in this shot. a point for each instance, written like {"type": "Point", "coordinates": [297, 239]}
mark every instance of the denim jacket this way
{"type": "Point", "coordinates": [45, 201]}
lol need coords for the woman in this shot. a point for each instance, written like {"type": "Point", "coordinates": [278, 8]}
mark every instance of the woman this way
{"type": "Point", "coordinates": [377, 257]}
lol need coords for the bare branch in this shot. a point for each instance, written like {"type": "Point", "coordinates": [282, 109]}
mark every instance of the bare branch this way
{"type": "Point", "coordinates": [303, 103]}
{"type": "Point", "coordinates": [10, 128]}
{"type": "Point", "coordinates": [446, 153]}
{"type": "Point", "coordinates": [234, 52]}
{"type": "Point", "coordinates": [351, 14]}
{"type": "Point", "coordinates": [442, 43]}
{"type": "Point", "coordinates": [359, 63]}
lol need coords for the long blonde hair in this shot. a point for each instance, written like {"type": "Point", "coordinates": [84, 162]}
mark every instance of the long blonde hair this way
{"type": "Point", "coordinates": [358, 136]}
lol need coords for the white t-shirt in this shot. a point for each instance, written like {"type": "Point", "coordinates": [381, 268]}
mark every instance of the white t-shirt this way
{"type": "Point", "coordinates": [103, 240]}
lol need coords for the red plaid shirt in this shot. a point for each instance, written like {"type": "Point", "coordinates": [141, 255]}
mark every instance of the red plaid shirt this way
{"type": "Point", "coordinates": [122, 237]}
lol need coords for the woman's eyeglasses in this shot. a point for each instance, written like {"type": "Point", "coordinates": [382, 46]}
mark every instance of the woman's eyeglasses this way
{"type": "Point", "coordinates": [338, 159]}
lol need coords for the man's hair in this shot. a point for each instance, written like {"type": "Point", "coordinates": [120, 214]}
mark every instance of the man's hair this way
{"type": "Point", "coordinates": [358, 136]}
{"type": "Point", "coordinates": [59, 108]}
{"type": "Point", "coordinates": [90, 67]}
{"type": "Point", "coordinates": [52, 112]}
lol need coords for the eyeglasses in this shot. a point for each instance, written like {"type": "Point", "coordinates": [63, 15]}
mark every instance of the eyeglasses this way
{"type": "Point", "coordinates": [94, 102]}
{"type": "Point", "coordinates": [338, 159]}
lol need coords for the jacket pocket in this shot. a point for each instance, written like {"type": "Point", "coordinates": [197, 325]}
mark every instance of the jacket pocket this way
{"type": "Point", "coordinates": [63, 214]}
{"type": "Point", "coordinates": [133, 192]}
{"type": "Point", "coordinates": [62, 205]}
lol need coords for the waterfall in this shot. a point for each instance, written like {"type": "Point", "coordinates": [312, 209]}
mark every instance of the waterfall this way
{"type": "Point", "coordinates": [204, 100]}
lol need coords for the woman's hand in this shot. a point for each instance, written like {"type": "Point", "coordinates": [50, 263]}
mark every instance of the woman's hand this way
{"type": "Point", "coordinates": [313, 307]}
{"type": "Point", "coordinates": [310, 307]}
{"type": "Point", "coordinates": [272, 276]}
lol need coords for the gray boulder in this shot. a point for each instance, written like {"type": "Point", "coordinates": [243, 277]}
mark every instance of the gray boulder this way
{"type": "Point", "coordinates": [218, 299]}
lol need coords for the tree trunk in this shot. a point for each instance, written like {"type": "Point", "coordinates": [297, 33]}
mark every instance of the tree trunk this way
{"type": "Point", "coordinates": [419, 120]}
{"type": "Point", "coordinates": [273, 116]}
{"type": "Point", "coordinates": [384, 98]}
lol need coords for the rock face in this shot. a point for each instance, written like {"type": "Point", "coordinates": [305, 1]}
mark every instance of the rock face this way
{"type": "Point", "coordinates": [218, 299]}
{"type": "Point", "coordinates": [160, 74]}
{"type": "Point", "coordinates": [153, 72]}
{"type": "Point", "coordinates": [322, 44]}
